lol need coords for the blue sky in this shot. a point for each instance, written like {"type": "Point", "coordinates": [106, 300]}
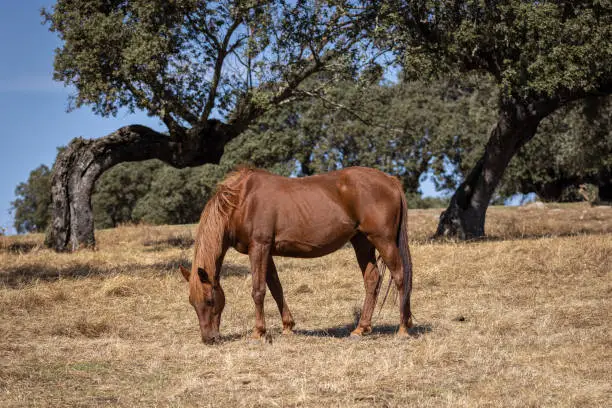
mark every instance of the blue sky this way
{"type": "Point", "coordinates": [33, 107]}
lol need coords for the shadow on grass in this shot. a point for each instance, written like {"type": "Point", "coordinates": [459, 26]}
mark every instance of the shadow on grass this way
{"type": "Point", "coordinates": [234, 270]}
{"type": "Point", "coordinates": [338, 332]}
{"type": "Point", "coordinates": [496, 238]}
{"type": "Point", "coordinates": [226, 270]}
{"type": "Point", "coordinates": [19, 247]}
{"type": "Point", "coordinates": [16, 277]}
{"type": "Point", "coordinates": [345, 331]}
{"type": "Point", "coordinates": [184, 241]}
{"type": "Point", "coordinates": [19, 276]}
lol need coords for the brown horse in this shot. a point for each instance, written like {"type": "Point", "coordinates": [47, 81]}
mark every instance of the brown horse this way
{"type": "Point", "coordinates": [262, 215]}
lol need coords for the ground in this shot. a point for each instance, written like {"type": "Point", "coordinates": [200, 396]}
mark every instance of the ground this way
{"type": "Point", "coordinates": [519, 319]}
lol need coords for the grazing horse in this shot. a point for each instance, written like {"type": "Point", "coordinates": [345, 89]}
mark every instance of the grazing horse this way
{"type": "Point", "coordinates": [265, 215]}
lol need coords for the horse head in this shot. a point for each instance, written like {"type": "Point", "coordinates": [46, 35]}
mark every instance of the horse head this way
{"type": "Point", "coordinates": [207, 298]}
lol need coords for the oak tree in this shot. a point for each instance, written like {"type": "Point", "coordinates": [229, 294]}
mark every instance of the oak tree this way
{"type": "Point", "coordinates": [206, 69]}
{"type": "Point", "coordinates": [541, 54]}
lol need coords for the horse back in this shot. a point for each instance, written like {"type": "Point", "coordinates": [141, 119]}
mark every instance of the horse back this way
{"type": "Point", "coordinates": [315, 215]}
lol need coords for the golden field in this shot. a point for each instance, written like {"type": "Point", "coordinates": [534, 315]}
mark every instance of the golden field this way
{"type": "Point", "coordinates": [519, 319]}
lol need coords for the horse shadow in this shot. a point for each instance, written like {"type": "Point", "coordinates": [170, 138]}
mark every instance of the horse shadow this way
{"type": "Point", "coordinates": [382, 330]}
{"type": "Point", "coordinates": [337, 332]}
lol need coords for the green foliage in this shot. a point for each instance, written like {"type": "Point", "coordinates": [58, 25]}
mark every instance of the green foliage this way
{"type": "Point", "coordinates": [119, 190]}
{"type": "Point", "coordinates": [153, 192]}
{"type": "Point", "coordinates": [148, 191]}
{"type": "Point", "coordinates": [572, 147]}
{"type": "Point", "coordinates": [110, 46]}
{"type": "Point", "coordinates": [416, 201]}
{"type": "Point", "coordinates": [534, 49]}
{"type": "Point", "coordinates": [269, 144]}
{"type": "Point", "coordinates": [182, 59]}
{"type": "Point", "coordinates": [402, 129]}
{"type": "Point", "coordinates": [178, 196]}
{"type": "Point", "coordinates": [406, 129]}
{"type": "Point", "coordinates": [31, 208]}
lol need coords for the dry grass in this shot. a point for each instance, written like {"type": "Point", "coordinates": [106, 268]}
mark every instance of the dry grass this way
{"type": "Point", "coordinates": [522, 319]}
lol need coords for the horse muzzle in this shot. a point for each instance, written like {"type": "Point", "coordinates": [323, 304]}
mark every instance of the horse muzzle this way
{"type": "Point", "coordinates": [211, 339]}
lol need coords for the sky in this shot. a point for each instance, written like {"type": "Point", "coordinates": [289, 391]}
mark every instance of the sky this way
{"type": "Point", "coordinates": [33, 116]}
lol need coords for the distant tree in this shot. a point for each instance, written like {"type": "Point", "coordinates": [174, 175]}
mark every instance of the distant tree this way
{"type": "Point", "coordinates": [119, 190]}
{"type": "Point", "coordinates": [403, 129]}
{"type": "Point", "coordinates": [177, 196]}
{"type": "Point", "coordinates": [32, 207]}
{"type": "Point", "coordinates": [541, 54]}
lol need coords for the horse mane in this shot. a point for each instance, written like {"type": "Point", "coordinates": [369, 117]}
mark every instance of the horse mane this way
{"type": "Point", "coordinates": [215, 216]}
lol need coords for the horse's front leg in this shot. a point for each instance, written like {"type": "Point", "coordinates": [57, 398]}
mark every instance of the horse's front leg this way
{"type": "Point", "coordinates": [277, 293]}
{"type": "Point", "coordinates": [259, 254]}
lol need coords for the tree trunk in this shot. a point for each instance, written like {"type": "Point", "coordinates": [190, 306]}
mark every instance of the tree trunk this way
{"type": "Point", "coordinates": [78, 167]}
{"type": "Point", "coordinates": [605, 192]}
{"type": "Point", "coordinates": [465, 216]}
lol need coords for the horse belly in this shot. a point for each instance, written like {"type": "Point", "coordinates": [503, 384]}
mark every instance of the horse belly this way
{"type": "Point", "coordinates": [313, 241]}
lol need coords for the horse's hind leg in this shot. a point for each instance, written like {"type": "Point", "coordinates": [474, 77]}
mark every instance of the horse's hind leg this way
{"type": "Point", "coordinates": [391, 256]}
{"type": "Point", "coordinates": [277, 293]}
{"type": "Point", "coordinates": [371, 279]}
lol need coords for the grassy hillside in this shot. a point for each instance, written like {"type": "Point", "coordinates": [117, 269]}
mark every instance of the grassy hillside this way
{"type": "Point", "coordinates": [520, 319]}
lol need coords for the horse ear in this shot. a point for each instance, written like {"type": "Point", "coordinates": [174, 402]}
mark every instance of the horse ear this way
{"type": "Point", "coordinates": [203, 276]}
{"type": "Point", "coordinates": [186, 273]}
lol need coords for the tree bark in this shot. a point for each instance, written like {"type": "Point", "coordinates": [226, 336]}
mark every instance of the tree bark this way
{"type": "Point", "coordinates": [465, 216]}
{"type": "Point", "coordinates": [605, 192]}
{"type": "Point", "coordinates": [78, 167]}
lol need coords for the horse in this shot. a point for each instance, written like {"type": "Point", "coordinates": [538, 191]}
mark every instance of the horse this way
{"type": "Point", "coordinates": [266, 215]}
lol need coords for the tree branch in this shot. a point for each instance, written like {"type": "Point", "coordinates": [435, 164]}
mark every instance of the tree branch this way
{"type": "Point", "coordinates": [351, 111]}
{"type": "Point", "coordinates": [221, 54]}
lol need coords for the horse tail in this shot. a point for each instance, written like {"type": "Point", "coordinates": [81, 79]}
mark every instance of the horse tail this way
{"type": "Point", "coordinates": [404, 250]}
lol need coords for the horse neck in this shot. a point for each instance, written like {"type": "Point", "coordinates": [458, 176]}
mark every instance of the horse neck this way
{"type": "Point", "coordinates": [212, 239]}
{"type": "Point", "coordinates": [210, 246]}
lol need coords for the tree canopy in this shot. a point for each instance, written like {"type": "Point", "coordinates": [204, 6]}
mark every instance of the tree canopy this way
{"type": "Point", "coordinates": [187, 60]}
{"type": "Point", "coordinates": [406, 128]}
{"type": "Point", "coordinates": [541, 54]}
{"type": "Point", "coordinates": [533, 49]}
{"type": "Point", "coordinates": [210, 70]}
{"type": "Point", "coordinates": [207, 69]}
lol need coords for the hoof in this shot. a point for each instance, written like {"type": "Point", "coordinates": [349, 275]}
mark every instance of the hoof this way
{"type": "Point", "coordinates": [257, 334]}
{"type": "Point", "coordinates": [359, 332]}
{"type": "Point", "coordinates": [288, 332]}
{"type": "Point", "coordinates": [355, 337]}
{"type": "Point", "coordinates": [257, 340]}
{"type": "Point", "coordinates": [402, 332]}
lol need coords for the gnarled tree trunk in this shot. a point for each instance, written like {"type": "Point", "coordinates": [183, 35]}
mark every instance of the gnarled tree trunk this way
{"type": "Point", "coordinates": [78, 167]}
{"type": "Point", "coordinates": [465, 216]}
